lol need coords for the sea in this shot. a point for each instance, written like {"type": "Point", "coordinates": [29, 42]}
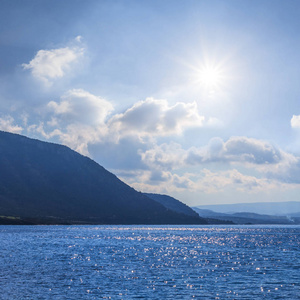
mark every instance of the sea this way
{"type": "Point", "coordinates": [150, 262]}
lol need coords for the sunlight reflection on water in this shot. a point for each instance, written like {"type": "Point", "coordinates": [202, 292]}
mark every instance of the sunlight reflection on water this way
{"type": "Point", "coordinates": [150, 262]}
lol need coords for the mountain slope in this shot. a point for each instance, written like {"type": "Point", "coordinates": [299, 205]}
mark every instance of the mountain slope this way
{"type": "Point", "coordinates": [172, 204]}
{"type": "Point", "coordinates": [43, 181]}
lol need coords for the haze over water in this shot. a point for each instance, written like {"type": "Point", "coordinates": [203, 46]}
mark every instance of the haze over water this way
{"type": "Point", "coordinates": [153, 262]}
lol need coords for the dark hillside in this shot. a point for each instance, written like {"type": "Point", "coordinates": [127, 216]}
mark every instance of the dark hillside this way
{"type": "Point", "coordinates": [173, 204]}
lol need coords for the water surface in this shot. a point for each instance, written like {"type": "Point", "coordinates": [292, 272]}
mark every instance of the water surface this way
{"type": "Point", "coordinates": [149, 262]}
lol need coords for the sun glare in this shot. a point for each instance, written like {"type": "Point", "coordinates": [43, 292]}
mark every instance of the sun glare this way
{"type": "Point", "coordinates": [210, 77]}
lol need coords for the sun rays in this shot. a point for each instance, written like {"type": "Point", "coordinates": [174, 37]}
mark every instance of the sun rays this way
{"type": "Point", "coordinates": [210, 76]}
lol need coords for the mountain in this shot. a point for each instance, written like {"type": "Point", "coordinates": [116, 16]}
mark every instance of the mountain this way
{"type": "Point", "coordinates": [179, 207]}
{"type": "Point", "coordinates": [247, 217]}
{"type": "Point", "coordinates": [42, 182]}
{"type": "Point", "coordinates": [172, 204]}
{"type": "Point", "coordinates": [269, 208]}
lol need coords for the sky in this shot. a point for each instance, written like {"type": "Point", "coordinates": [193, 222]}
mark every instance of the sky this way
{"type": "Point", "coordinates": [199, 100]}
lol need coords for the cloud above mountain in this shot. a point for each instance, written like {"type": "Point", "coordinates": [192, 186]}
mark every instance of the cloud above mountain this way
{"type": "Point", "coordinates": [80, 106]}
{"type": "Point", "coordinates": [7, 123]}
{"type": "Point", "coordinates": [236, 149]}
{"type": "Point", "coordinates": [153, 117]}
{"type": "Point", "coordinates": [267, 166]}
{"type": "Point", "coordinates": [80, 119]}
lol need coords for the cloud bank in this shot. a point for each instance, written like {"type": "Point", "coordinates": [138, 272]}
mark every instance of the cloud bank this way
{"type": "Point", "coordinates": [270, 166]}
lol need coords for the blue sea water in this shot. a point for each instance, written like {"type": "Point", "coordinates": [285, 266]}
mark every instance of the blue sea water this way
{"type": "Point", "coordinates": [149, 262]}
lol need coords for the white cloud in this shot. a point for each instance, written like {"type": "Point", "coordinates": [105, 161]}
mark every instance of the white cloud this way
{"type": "Point", "coordinates": [236, 150]}
{"type": "Point", "coordinates": [7, 124]}
{"type": "Point", "coordinates": [53, 122]}
{"type": "Point", "coordinates": [149, 118]}
{"type": "Point", "coordinates": [165, 156]}
{"type": "Point", "coordinates": [251, 150]}
{"type": "Point", "coordinates": [78, 136]}
{"type": "Point", "coordinates": [59, 108]}
{"type": "Point", "coordinates": [75, 136]}
{"type": "Point", "coordinates": [78, 38]}
{"type": "Point", "coordinates": [261, 156]}
{"type": "Point", "coordinates": [241, 150]}
{"type": "Point", "coordinates": [80, 106]}
{"type": "Point", "coordinates": [81, 118]}
{"type": "Point", "coordinates": [258, 156]}
{"type": "Point", "coordinates": [153, 117]}
{"type": "Point", "coordinates": [34, 128]}
{"type": "Point", "coordinates": [49, 65]}
{"type": "Point", "coordinates": [295, 121]}
{"type": "Point", "coordinates": [287, 171]}
{"type": "Point", "coordinates": [77, 120]}
{"type": "Point", "coordinates": [206, 181]}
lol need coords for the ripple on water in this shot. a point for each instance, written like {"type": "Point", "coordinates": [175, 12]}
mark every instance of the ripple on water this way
{"type": "Point", "coordinates": [150, 262]}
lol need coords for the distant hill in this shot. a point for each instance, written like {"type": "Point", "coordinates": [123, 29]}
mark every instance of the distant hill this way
{"type": "Point", "coordinates": [48, 183]}
{"type": "Point", "coordinates": [247, 217]}
{"type": "Point", "coordinates": [179, 207]}
{"type": "Point", "coordinates": [268, 208]}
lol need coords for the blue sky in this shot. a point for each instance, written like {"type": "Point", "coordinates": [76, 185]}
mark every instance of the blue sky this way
{"type": "Point", "coordinates": [196, 99]}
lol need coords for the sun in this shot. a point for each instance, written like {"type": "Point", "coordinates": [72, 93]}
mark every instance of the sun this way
{"type": "Point", "coordinates": [210, 77]}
